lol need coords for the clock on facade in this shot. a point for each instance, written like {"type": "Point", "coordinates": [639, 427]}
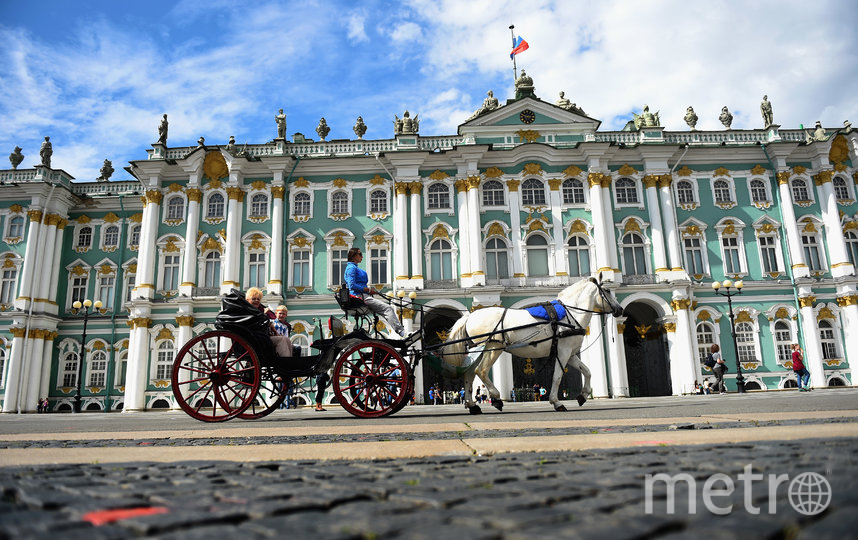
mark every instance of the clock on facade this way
{"type": "Point", "coordinates": [527, 116]}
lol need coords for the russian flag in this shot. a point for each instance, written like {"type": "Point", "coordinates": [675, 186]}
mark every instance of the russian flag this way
{"type": "Point", "coordinates": [518, 46]}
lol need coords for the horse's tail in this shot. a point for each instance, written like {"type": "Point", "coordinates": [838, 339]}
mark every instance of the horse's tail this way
{"type": "Point", "coordinates": [456, 348]}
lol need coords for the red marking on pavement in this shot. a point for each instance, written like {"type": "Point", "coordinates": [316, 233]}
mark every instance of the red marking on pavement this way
{"type": "Point", "coordinates": [103, 517]}
{"type": "Point", "coordinates": [144, 444]}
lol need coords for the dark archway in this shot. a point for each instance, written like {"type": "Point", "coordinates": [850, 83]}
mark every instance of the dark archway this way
{"type": "Point", "coordinates": [647, 363]}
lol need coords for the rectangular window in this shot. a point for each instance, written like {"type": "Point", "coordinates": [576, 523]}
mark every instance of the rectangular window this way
{"type": "Point", "coordinates": [811, 253]}
{"type": "Point", "coordinates": [105, 291]}
{"type": "Point", "coordinates": [378, 265]}
{"type": "Point", "coordinates": [78, 288]}
{"type": "Point", "coordinates": [171, 272]}
{"type": "Point", "coordinates": [70, 370]}
{"type": "Point", "coordinates": [731, 255]}
{"type": "Point", "coordinates": [256, 264]}
{"type": "Point", "coordinates": [338, 266]}
{"type": "Point", "coordinates": [130, 287]}
{"type": "Point", "coordinates": [301, 269]}
{"type": "Point", "coordinates": [441, 265]}
{"type": "Point", "coordinates": [98, 370]}
{"type": "Point", "coordinates": [7, 286]}
{"type": "Point", "coordinates": [768, 253]}
{"type": "Point", "coordinates": [694, 256]}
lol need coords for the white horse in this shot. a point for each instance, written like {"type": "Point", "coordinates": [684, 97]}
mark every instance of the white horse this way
{"type": "Point", "coordinates": [519, 333]}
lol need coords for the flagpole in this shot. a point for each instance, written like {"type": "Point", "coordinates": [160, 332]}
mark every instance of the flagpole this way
{"type": "Point", "coordinates": [514, 69]}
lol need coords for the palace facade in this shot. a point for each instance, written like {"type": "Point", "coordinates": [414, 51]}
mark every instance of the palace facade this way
{"type": "Point", "coordinates": [525, 199]}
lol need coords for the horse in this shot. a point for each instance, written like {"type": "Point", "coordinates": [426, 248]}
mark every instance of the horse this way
{"type": "Point", "coordinates": [516, 331]}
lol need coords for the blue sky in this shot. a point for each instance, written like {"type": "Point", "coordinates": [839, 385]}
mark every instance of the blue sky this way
{"type": "Point", "coordinates": [96, 76]}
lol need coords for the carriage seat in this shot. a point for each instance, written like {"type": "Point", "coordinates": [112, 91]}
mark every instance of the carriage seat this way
{"type": "Point", "coordinates": [352, 306]}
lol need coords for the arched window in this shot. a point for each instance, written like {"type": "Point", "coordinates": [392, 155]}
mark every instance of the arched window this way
{"type": "Point", "coordinates": [301, 205]}
{"type": "Point", "coordinates": [84, 237]}
{"type": "Point", "coordinates": [852, 246]}
{"type": "Point", "coordinates": [745, 340]}
{"type": "Point", "coordinates": [497, 260]}
{"type": "Point", "coordinates": [340, 202]}
{"type": "Point", "coordinates": [573, 191]}
{"type": "Point", "coordinates": [175, 208]}
{"type": "Point", "coordinates": [439, 196]}
{"type": "Point", "coordinates": [378, 201]}
{"type": "Point", "coordinates": [493, 194]}
{"type": "Point", "coordinates": [211, 272]}
{"type": "Point", "coordinates": [8, 286]}
{"type": "Point", "coordinates": [16, 227]}
{"type": "Point", "coordinates": [799, 190]}
{"type": "Point", "coordinates": [826, 337]}
{"type": "Point", "coordinates": [537, 256]}
{"type": "Point", "coordinates": [164, 361]}
{"type": "Point", "coordinates": [627, 193]}
{"type": "Point", "coordinates": [783, 342]}
{"type": "Point", "coordinates": [259, 205]}
{"type": "Point", "coordinates": [111, 236]}
{"type": "Point", "coordinates": [634, 254]}
{"type": "Point", "coordinates": [684, 192]}
{"type": "Point", "coordinates": [705, 339]}
{"type": "Point", "coordinates": [135, 235]}
{"type": "Point", "coordinates": [578, 251]}
{"type": "Point", "coordinates": [97, 369]}
{"type": "Point", "coordinates": [532, 192]}
{"type": "Point", "coordinates": [722, 191]}
{"type": "Point", "coordinates": [215, 208]}
{"type": "Point", "coordinates": [440, 260]}
{"type": "Point", "coordinates": [758, 191]}
{"type": "Point", "coordinates": [841, 190]}
{"type": "Point", "coordinates": [122, 368]}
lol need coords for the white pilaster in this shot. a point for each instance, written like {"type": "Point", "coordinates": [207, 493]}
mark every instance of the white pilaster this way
{"type": "Point", "coordinates": [400, 235]}
{"type": "Point", "coordinates": [47, 254]}
{"type": "Point", "coordinates": [812, 343]}
{"type": "Point", "coordinates": [415, 239]}
{"type": "Point", "coordinates": [232, 253]}
{"type": "Point", "coordinates": [13, 372]}
{"type": "Point", "coordinates": [561, 262]}
{"type": "Point", "coordinates": [275, 264]}
{"type": "Point", "coordinates": [839, 259]}
{"type": "Point", "coordinates": [145, 281]}
{"type": "Point", "coordinates": [608, 222]}
{"type": "Point", "coordinates": [137, 375]}
{"type": "Point", "coordinates": [192, 227]}
{"type": "Point", "coordinates": [849, 318]}
{"type": "Point", "coordinates": [31, 396]}
{"type": "Point", "coordinates": [57, 259]}
{"type": "Point", "coordinates": [465, 275]}
{"type": "Point", "coordinates": [515, 229]}
{"type": "Point", "coordinates": [593, 355]}
{"type": "Point", "coordinates": [30, 265]}
{"type": "Point", "coordinates": [617, 357]}
{"type": "Point", "coordinates": [683, 355]}
{"type": "Point", "coordinates": [600, 228]}
{"type": "Point", "coordinates": [658, 254]}
{"type": "Point", "coordinates": [671, 229]}
{"type": "Point", "coordinates": [799, 265]}
{"type": "Point", "coordinates": [478, 274]}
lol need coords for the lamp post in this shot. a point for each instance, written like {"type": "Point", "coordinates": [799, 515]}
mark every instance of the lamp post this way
{"type": "Point", "coordinates": [86, 305]}
{"type": "Point", "coordinates": [730, 290]}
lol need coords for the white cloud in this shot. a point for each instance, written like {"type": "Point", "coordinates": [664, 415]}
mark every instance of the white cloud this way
{"type": "Point", "coordinates": [356, 29]}
{"type": "Point", "coordinates": [406, 32]}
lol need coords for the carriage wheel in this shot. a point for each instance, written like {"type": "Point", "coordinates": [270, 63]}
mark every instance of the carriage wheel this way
{"type": "Point", "coordinates": [371, 379]}
{"type": "Point", "coordinates": [216, 376]}
{"type": "Point", "coordinates": [271, 394]}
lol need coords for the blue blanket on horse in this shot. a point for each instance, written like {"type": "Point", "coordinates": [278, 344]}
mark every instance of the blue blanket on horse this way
{"type": "Point", "coordinates": [538, 311]}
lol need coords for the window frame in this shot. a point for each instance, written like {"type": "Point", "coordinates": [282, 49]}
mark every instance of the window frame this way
{"type": "Point", "coordinates": [208, 215]}
{"type": "Point", "coordinates": [532, 196]}
{"type": "Point", "coordinates": [567, 185]}
{"type": "Point", "coordinates": [492, 194]}
{"type": "Point", "coordinates": [634, 186]}
{"type": "Point", "coordinates": [294, 214]}
{"type": "Point", "coordinates": [436, 194]}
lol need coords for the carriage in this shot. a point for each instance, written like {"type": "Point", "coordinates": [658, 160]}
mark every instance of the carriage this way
{"type": "Point", "coordinates": [233, 370]}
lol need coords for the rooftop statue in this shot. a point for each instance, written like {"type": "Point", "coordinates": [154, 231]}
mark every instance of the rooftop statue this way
{"type": "Point", "coordinates": [489, 104]}
{"type": "Point", "coordinates": [691, 118]}
{"type": "Point", "coordinates": [819, 132]}
{"type": "Point", "coordinates": [359, 128]}
{"type": "Point", "coordinates": [847, 126]}
{"type": "Point", "coordinates": [201, 141]}
{"type": "Point", "coordinates": [646, 119]}
{"type": "Point", "coordinates": [523, 86]}
{"type": "Point", "coordinates": [322, 129]}
{"type": "Point", "coordinates": [16, 157]}
{"type": "Point", "coordinates": [726, 118]}
{"type": "Point", "coordinates": [766, 111]}
{"type": "Point", "coordinates": [162, 131]}
{"type": "Point", "coordinates": [46, 152]}
{"type": "Point", "coordinates": [230, 146]}
{"type": "Point", "coordinates": [406, 125]}
{"type": "Point", "coordinates": [106, 171]}
{"type": "Point", "coordinates": [281, 125]}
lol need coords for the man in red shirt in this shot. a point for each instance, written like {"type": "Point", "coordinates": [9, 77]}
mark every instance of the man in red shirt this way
{"type": "Point", "coordinates": [802, 376]}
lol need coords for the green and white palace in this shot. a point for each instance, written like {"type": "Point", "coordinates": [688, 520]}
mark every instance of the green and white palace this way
{"type": "Point", "coordinates": [526, 198]}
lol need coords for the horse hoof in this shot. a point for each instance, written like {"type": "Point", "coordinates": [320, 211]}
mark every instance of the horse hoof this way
{"type": "Point", "coordinates": [497, 404]}
{"type": "Point", "coordinates": [581, 400]}
{"type": "Point", "coordinates": [560, 408]}
{"type": "Point", "coordinates": [475, 409]}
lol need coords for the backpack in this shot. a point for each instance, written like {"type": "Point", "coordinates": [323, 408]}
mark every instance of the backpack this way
{"type": "Point", "coordinates": [709, 361]}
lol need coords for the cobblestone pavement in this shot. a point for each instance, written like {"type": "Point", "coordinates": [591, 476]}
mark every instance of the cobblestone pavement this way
{"type": "Point", "coordinates": [594, 494]}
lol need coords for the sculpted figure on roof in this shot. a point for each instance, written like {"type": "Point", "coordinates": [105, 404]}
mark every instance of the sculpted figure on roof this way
{"type": "Point", "coordinates": [691, 117]}
{"type": "Point", "coordinates": [406, 125]}
{"type": "Point", "coordinates": [489, 104]}
{"type": "Point", "coordinates": [726, 118]}
{"type": "Point", "coordinates": [646, 119]}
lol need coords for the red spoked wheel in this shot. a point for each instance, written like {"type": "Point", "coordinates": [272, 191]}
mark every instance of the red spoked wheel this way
{"type": "Point", "coordinates": [216, 376]}
{"type": "Point", "coordinates": [371, 379]}
{"type": "Point", "coordinates": [272, 392]}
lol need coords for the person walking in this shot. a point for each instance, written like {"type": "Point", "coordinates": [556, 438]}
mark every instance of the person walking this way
{"type": "Point", "coordinates": [719, 369]}
{"type": "Point", "coordinates": [802, 375]}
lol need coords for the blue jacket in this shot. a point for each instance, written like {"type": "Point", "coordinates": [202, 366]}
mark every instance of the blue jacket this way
{"type": "Point", "coordinates": [356, 279]}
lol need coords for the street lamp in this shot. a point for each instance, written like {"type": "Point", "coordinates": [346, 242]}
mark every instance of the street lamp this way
{"type": "Point", "coordinates": [86, 305]}
{"type": "Point", "coordinates": [737, 286]}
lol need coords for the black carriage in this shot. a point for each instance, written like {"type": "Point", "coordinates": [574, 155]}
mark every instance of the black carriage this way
{"type": "Point", "coordinates": [233, 370]}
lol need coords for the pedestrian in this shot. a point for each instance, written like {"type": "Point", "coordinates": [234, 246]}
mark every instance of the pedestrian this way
{"type": "Point", "coordinates": [484, 394]}
{"type": "Point", "coordinates": [432, 395]}
{"type": "Point", "coordinates": [321, 384]}
{"type": "Point", "coordinates": [39, 406]}
{"type": "Point", "coordinates": [802, 375]}
{"type": "Point", "coordinates": [462, 395]}
{"type": "Point", "coordinates": [719, 369]}
{"type": "Point", "coordinates": [542, 393]}
{"type": "Point", "coordinates": [535, 392]}
{"type": "Point", "coordinates": [512, 395]}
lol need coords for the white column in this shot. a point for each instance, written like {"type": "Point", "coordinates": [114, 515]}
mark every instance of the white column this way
{"type": "Point", "coordinates": [839, 258]}
{"type": "Point", "coordinates": [183, 336]}
{"type": "Point", "coordinates": [137, 375]}
{"type": "Point", "coordinates": [474, 237]}
{"type": "Point", "coordinates": [31, 265]}
{"type": "Point", "coordinates": [593, 356]}
{"type": "Point", "coordinates": [400, 235]}
{"type": "Point", "coordinates": [58, 252]}
{"type": "Point", "coordinates": [608, 219]}
{"type": "Point", "coordinates": [799, 266]}
{"type": "Point", "coordinates": [31, 396]}
{"type": "Point", "coordinates": [275, 264]}
{"type": "Point", "coordinates": [683, 355]}
{"type": "Point", "coordinates": [465, 274]}
{"type": "Point", "coordinates": [812, 343]}
{"type": "Point", "coordinates": [657, 236]}
{"type": "Point", "coordinates": [515, 228]}
{"type": "Point", "coordinates": [192, 227]}
{"type": "Point", "coordinates": [145, 282]}
{"type": "Point", "coordinates": [617, 357]}
{"type": "Point", "coordinates": [600, 228]}
{"type": "Point", "coordinates": [48, 252]}
{"type": "Point", "coordinates": [232, 253]}
{"type": "Point", "coordinates": [561, 262]}
{"type": "Point", "coordinates": [415, 243]}
{"type": "Point", "coordinates": [13, 372]}
{"type": "Point", "coordinates": [849, 319]}
{"type": "Point", "coordinates": [47, 361]}
{"type": "Point", "coordinates": [671, 231]}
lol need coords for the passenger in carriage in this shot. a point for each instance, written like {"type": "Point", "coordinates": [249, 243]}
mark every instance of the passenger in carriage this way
{"type": "Point", "coordinates": [282, 343]}
{"type": "Point", "coordinates": [357, 282]}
